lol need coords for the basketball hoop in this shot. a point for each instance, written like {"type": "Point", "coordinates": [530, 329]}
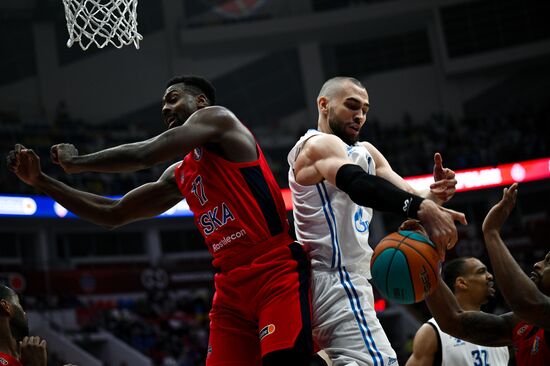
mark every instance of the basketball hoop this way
{"type": "Point", "coordinates": [102, 22]}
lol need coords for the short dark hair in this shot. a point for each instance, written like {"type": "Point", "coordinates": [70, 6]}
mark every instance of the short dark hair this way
{"type": "Point", "coordinates": [454, 269]}
{"type": "Point", "coordinates": [330, 85]}
{"type": "Point", "coordinates": [196, 85]}
{"type": "Point", "coordinates": [6, 293]}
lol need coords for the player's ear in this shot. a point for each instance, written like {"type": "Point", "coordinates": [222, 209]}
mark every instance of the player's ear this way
{"type": "Point", "coordinates": [461, 283]}
{"type": "Point", "coordinates": [322, 104]}
{"type": "Point", "coordinates": [202, 100]}
{"type": "Point", "coordinates": [5, 308]}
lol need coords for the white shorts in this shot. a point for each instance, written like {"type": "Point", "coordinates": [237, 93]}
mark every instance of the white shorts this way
{"type": "Point", "coordinates": [344, 321]}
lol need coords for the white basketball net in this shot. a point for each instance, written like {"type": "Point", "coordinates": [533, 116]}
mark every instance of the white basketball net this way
{"type": "Point", "coordinates": [102, 22]}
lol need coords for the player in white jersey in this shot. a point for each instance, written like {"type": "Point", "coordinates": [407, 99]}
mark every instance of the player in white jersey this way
{"type": "Point", "coordinates": [336, 181]}
{"type": "Point", "coordinates": [472, 286]}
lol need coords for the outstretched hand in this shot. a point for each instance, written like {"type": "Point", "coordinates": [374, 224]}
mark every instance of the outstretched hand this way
{"type": "Point", "coordinates": [444, 186]}
{"type": "Point", "coordinates": [62, 155]}
{"type": "Point", "coordinates": [440, 225]}
{"type": "Point", "coordinates": [24, 163]}
{"type": "Point", "coordinates": [500, 212]}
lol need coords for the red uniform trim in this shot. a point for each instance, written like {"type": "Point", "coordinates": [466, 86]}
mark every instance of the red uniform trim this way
{"type": "Point", "coordinates": [8, 360]}
{"type": "Point", "coordinates": [531, 345]}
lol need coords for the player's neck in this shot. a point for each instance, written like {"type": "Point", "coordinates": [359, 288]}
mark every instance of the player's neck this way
{"type": "Point", "coordinates": [8, 344]}
{"type": "Point", "coordinates": [467, 303]}
{"type": "Point", "coordinates": [322, 126]}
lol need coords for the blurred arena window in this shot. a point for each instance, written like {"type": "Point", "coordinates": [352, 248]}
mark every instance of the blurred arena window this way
{"type": "Point", "coordinates": [478, 26]}
{"type": "Point", "coordinates": [368, 56]}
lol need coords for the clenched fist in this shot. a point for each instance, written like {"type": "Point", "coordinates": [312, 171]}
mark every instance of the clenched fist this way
{"type": "Point", "coordinates": [62, 155]}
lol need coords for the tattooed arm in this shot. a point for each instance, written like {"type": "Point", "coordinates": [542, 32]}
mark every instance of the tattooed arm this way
{"type": "Point", "coordinates": [472, 326]}
{"type": "Point", "coordinates": [522, 294]}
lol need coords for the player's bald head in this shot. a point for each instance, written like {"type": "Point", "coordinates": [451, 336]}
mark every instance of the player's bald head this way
{"type": "Point", "coordinates": [332, 87]}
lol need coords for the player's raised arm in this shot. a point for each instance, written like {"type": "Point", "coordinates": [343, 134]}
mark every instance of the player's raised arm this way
{"type": "Point", "coordinates": [206, 125]}
{"type": "Point", "coordinates": [472, 326]}
{"type": "Point", "coordinates": [159, 196]}
{"type": "Point", "coordinates": [324, 157]}
{"type": "Point", "coordinates": [522, 294]}
{"type": "Point", "coordinates": [441, 191]}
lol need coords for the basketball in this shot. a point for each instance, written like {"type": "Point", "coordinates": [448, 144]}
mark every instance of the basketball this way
{"type": "Point", "coordinates": [404, 266]}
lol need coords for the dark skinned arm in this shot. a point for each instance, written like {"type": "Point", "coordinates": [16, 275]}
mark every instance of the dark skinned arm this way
{"type": "Point", "coordinates": [146, 201]}
{"type": "Point", "coordinates": [472, 326]}
{"type": "Point", "coordinates": [520, 292]}
{"type": "Point", "coordinates": [207, 125]}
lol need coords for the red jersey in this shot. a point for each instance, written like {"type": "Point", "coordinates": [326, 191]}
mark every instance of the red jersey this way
{"type": "Point", "coordinates": [238, 207]}
{"type": "Point", "coordinates": [7, 360]}
{"type": "Point", "coordinates": [531, 345]}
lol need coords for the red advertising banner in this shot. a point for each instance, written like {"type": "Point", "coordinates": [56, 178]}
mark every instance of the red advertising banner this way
{"type": "Point", "coordinates": [479, 178]}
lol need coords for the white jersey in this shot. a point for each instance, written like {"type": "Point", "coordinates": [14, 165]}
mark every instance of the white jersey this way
{"type": "Point", "coordinates": [334, 229]}
{"type": "Point", "coordinates": [456, 352]}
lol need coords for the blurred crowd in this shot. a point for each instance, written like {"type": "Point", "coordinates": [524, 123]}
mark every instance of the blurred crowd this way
{"type": "Point", "coordinates": [466, 143]}
{"type": "Point", "coordinates": [408, 145]}
{"type": "Point", "coordinates": [40, 136]}
{"type": "Point", "coordinates": [169, 328]}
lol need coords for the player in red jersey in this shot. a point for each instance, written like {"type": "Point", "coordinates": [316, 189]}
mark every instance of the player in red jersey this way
{"type": "Point", "coordinates": [13, 326]}
{"type": "Point", "coordinates": [261, 309]}
{"type": "Point", "coordinates": [16, 347]}
{"type": "Point", "coordinates": [527, 327]}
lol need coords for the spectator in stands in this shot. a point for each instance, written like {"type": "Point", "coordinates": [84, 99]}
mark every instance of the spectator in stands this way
{"type": "Point", "coordinates": [16, 347]}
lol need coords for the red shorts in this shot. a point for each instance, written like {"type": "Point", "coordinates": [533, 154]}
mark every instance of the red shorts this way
{"type": "Point", "coordinates": [260, 308]}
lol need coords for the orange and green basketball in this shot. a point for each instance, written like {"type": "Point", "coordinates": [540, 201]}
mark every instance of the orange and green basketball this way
{"type": "Point", "coordinates": [404, 267]}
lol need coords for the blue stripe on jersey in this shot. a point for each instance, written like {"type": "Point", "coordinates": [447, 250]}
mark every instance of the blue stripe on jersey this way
{"type": "Point", "coordinates": [329, 223]}
{"type": "Point", "coordinates": [336, 240]}
{"type": "Point", "coordinates": [254, 178]}
{"type": "Point", "coordinates": [360, 318]}
{"type": "Point", "coordinates": [369, 161]}
{"type": "Point", "coordinates": [362, 315]}
{"type": "Point", "coordinates": [353, 297]}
